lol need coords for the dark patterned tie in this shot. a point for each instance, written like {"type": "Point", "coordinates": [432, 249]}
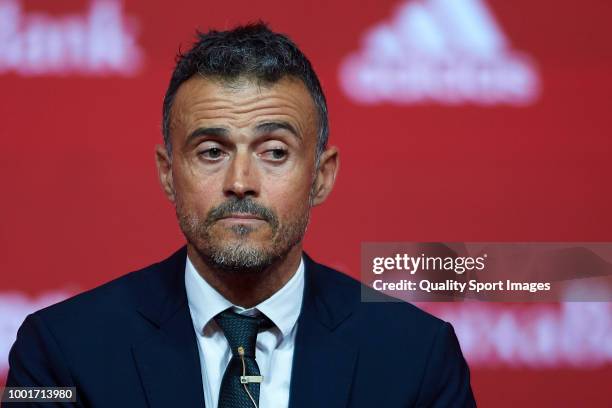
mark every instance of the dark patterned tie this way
{"type": "Point", "coordinates": [241, 334]}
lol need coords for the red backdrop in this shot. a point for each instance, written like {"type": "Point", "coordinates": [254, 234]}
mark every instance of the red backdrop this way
{"type": "Point", "coordinates": [457, 120]}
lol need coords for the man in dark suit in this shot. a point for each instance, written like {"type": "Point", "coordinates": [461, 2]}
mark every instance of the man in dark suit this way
{"type": "Point", "coordinates": [241, 316]}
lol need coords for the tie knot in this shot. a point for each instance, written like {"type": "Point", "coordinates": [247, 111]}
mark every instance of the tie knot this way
{"type": "Point", "coordinates": [241, 330]}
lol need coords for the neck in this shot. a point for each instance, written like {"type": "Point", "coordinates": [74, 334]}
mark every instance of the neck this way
{"type": "Point", "coordinates": [248, 290]}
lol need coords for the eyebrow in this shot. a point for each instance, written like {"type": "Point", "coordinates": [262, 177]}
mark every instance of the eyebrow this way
{"type": "Point", "coordinates": [265, 127]}
{"type": "Point", "coordinates": [269, 127]}
{"type": "Point", "coordinates": [208, 131]}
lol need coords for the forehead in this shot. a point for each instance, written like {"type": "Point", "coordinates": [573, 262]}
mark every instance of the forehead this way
{"type": "Point", "coordinates": [242, 103]}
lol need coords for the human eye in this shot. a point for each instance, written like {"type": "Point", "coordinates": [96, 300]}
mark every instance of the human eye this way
{"type": "Point", "coordinates": [214, 153]}
{"type": "Point", "coordinates": [277, 154]}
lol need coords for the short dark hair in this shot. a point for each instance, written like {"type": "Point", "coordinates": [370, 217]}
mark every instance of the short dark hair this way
{"type": "Point", "coordinates": [251, 50]}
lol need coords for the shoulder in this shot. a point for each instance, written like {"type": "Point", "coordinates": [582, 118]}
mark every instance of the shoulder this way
{"type": "Point", "coordinates": [378, 311]}
{"type": "Point", "coordinates": [112, 304]}
{"type": "Point", "coordinates": [424, 348]}
{"type": "Point", "coordinates": [119, 292]}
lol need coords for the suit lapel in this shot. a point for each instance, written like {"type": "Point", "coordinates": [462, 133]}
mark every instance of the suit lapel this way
{"type": "Point", "coordinates": [168, 361]}
{"type": "Point", "coordinates": [169, 364]}
{"type": "Point", "coordinates": [323, 363]}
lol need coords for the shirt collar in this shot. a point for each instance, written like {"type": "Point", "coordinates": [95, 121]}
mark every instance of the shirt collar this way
{"type": "Point", "coordinates": [283, 307]}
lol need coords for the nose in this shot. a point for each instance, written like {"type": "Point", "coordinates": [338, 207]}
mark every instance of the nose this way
{"type": "Point", "coordinates": [242, 178]}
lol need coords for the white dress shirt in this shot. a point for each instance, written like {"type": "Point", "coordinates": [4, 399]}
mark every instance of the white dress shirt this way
{"type": "Point", "coordinates": [274, 348]}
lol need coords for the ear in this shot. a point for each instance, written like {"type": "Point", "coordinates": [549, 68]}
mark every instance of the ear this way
{"type": "Point", "coordinates": [325, 177]}
{"type": "Point", "coordinates": [164, 171]}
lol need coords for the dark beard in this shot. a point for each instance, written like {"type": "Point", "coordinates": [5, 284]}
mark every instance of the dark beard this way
{"type": "Point", "coordinates": [239, 256]}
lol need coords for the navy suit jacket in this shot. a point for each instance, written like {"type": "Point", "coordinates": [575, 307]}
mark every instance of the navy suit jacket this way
{"type": "Point", "coordinates": [131, 343]}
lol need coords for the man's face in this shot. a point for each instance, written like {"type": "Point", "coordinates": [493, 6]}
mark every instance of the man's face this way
{"type": "Point", "coordinates": [242, 173]}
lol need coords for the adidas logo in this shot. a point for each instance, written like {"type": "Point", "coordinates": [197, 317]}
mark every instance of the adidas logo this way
{"type": "Point", "coordinates": [439, 51]}
{"type": "Point", "coordinates": [99, 42]}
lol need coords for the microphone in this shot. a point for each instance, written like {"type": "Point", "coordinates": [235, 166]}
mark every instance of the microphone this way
{"type": "Point", "coordinates": [246, 379]}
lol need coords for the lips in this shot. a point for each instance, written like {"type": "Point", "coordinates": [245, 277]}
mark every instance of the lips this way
{"type": "Point", "coordinates": [242, 216]}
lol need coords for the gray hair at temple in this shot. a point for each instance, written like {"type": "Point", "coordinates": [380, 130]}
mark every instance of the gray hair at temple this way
{"type": "Point", "coordinates": [252, 50]}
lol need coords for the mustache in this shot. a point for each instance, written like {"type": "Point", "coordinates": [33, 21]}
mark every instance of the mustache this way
{"type": "Point", "coordinates": [245, 206]}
